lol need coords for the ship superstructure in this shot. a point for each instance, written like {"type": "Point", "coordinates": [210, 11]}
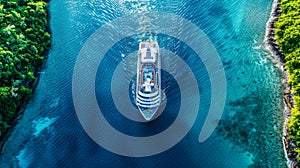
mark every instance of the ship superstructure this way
{"type": "Point", "coordinates": [148, 84]}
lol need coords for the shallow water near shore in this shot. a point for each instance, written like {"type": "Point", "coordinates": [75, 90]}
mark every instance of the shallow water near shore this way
{"type": "Point", "coordinates": [249, 133]}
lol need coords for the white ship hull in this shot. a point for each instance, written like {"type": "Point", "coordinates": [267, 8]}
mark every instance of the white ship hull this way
{"type": "Point", "coordinates": [148, 84]}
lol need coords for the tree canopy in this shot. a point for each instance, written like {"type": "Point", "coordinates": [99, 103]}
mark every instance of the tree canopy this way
{"type": "Point", "coordinates": [287, 30]}
{"type": "Point", "coordinates": [24, 41]}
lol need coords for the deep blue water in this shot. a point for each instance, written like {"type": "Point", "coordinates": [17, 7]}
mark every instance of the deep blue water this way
{"type": "Point", "coordinates": [50, 135]}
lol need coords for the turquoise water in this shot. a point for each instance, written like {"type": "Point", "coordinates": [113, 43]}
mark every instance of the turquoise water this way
{"type": "Point", "coordinates": [49, 134]}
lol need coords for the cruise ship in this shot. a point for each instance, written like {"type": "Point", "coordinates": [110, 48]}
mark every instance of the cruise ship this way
{"type": "Point", "coordinates": [148, 83]}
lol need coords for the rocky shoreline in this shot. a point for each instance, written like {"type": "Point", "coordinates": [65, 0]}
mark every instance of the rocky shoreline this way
{"type": "Point", "coordinates": [278, 57]}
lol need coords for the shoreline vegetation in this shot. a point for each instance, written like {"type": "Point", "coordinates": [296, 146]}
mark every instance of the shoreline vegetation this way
{"type": "Point", "coordinates": [24, 44]}
{"type": "Point", "coordinates": [282, 40]}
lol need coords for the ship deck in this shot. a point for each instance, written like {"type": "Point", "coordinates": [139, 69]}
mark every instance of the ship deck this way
{"type": "Point", "coordinates": [148, 93]}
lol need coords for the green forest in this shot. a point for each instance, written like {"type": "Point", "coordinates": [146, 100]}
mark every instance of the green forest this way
{"type": "Point", "coordinates": [287, 30]}
{"type": "Point", "coordinates": [24, 42]}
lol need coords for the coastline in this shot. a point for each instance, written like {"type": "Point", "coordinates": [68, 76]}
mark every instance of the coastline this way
{"type": "Point", "coordinates": [49, 65]}
{"type": "Point", "coordinates": [270, 45]}
{"type": "Point", "coordinates": [21, 109]}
